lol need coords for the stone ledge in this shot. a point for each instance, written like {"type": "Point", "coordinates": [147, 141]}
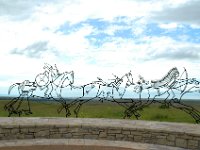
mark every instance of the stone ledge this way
{"type": "Point", "coordinates": [86, 142]}
{"type": "Point", "coordinates": [163, 133]}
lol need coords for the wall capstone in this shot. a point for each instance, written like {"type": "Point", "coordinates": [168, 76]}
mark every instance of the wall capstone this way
{"type": "Point", "coordinates": [162, 133]}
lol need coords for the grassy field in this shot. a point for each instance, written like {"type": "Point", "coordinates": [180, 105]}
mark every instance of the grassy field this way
{"type": "Point", "coordinates": [108, 110]}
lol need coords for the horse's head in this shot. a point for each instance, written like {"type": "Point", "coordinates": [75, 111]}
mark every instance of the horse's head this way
{"type": "Point", "coordinates": [137, 89]}
{"type": "Point", "coordinates": [70, 77]}
{"type": "Point", "coordinates": [141, 80]}
{"type": "Point", "coordinates": [47, 67]}
{"type": "Point", "coordinates": [175, 72]}
{"type": "Point", "coordinates": [129, 77]}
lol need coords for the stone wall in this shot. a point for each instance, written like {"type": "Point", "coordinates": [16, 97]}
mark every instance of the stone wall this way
{"type": "Point", "coordinates": [171, 134]}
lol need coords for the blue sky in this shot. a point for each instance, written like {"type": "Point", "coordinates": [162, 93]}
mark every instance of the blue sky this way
{"type": "Point", "coordinates": [98, 38]}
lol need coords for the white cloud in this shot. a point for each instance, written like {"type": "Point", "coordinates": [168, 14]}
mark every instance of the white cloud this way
{"type": "Point", "coordinates": [186, 12]}
{"type": "Point", "coordinates": [168, 26]}
{"type": "Point", "coordinates": [36, 28]}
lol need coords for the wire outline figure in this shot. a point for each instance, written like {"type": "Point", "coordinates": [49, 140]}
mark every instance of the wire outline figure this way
{"type": "Point", "coordinates": [51, 80]}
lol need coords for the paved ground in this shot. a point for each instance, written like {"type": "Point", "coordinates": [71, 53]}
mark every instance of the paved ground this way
{"type": "Point", "coordinates": [78, 144]}
{"type": "Point", "coordinates": [64, 147]}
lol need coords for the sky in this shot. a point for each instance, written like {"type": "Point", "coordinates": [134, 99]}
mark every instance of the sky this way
{"type": "Point", "coordinates": [98, 38]}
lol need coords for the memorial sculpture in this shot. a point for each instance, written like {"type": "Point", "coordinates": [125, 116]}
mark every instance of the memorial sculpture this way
{"type": "Point", "coordinates": [57, 86]}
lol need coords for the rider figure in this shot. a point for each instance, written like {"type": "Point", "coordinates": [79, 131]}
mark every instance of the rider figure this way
{"type": "Point", "coordinates": [53, 70]}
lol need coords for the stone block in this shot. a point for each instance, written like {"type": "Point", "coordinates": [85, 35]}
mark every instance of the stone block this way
{"type": "Point", "coordinates": [55, 136]}
{"type": "Point", "coordinates": [137, 138]}
{"type": "Point", "coordinates": [94, 131]}
{"type": "Point", "coordinates": [111, 137]}
{"type": "Point", "coordinates": [78, 136]}
{"type": "Point", "coordinates": [42, 133]}
{"type": "Point", "coordinates": [24, 130]}
{"type": "Point", "coordinates": [181, 143]}
{"type": "Point", "coordinates": [192, 144]}
{"type": "Point", "coordinates": [161, 137]}
{"type": "Point", "coordinates": [162, 141]}
{"type": "Point", "coordinates": [61, 130]}
{"type": "Point", "coordinates": [29, 136]}
{"type": "Point", "coordinates": [91, 136]}
{"type": "Point", "coordinates": [119, 136]}
{"type": "Point", "coordinates": [54, 130]}
{"type": "Point", "coordinates": [114, 131]}
{"type": "Point", "coordinates": [11, 137]}
{"type": "Point", "coordinates": [146, 135]}
{"type": "Point", "coordinates": [72, 130]}
{"type": "Point", "coordinates": [171, 143]}
{"type": "Point", "coordinates": [126, 132]}
{"type": "Point", "coordinates": [1, 135]}
{"type": "Point", "coordinates": [130, 136]}
{"type": "Point", "coordinates": [8, 126]}
{"type": "Point", "coordinates": [86, 130]}
{"type": "Point", "coordinates": [31, 130]}
{"type": "Point", "coordinates": [171, 137]}
{"type": "Point", "coordinates": [102, 134]}
{"type": "Point", "coordinates": [186, 137]}
{"type": "Point", "coordinates": [14, 130]}
{"type": "Point", "coordinates": [156, 133]}
{"type": "Point", "coordinates": [136, 133]}
{"type": "Point", "coordinates": [6, 130]}
{"type": "Point", "coordinates": [147, 140]}
{"type": "Point", "coordinates": [20, 136]}
{"type": "Point", "coordinates": [67, 135]}
{"type": "Point", "coordinates": [196, 138]}
{"type": "Point", "coordinates": [126, 138]}
{"type": "Point", "coordinates": [38, 129]}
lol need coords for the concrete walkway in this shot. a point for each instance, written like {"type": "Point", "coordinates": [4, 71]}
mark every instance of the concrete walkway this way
{"type": "Point", "coordinates": [78, 144]}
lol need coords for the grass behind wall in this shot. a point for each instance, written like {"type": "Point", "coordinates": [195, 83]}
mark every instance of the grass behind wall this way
{"type": "Point", "coordinates": [107, 110]}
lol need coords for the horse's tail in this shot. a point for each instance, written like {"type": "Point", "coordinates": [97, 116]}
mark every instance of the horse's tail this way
{"type": "Point", "coordinates": [11, 87]}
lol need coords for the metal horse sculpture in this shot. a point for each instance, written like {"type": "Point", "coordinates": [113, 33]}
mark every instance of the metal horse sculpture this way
{"type": "Point", "coordinates": [25, 90]}
{"type": "Point", "coordinates": [99, 90]}
{"type": "Point", "coordinates": [165, 86]}
{"type": "Point", "coordinates": [143, 86]}
{"type": "Point", "coordinates": [48, 83]}
{"type": "Point", "coordinates": [53, 85]}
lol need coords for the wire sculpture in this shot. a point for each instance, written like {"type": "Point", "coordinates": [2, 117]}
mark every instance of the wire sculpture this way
{"type": "Point", "coordinates": [51, 84]}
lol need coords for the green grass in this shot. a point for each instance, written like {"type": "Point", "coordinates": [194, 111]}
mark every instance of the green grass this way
{"type": "Point", "coordinates": [108, 110]}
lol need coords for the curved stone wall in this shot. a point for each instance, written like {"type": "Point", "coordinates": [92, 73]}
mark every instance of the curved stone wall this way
{"type": "Point", "coordinates": [161, 133]}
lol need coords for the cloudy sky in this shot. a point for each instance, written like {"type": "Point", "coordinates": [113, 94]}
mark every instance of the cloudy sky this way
{"type": "Point", "coordinates": [98, 38]}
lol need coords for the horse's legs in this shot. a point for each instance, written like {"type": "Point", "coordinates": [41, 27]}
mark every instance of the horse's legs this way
{"type": "Point", "coordinates": [19, 104]}
{"type": "Point", "coordinates": [9, 114]}
{"type": "Point", "coordinates": [68, 113]}
{"type": "Point", "coordinates": [132, 110]}
{"type": "Point", "coordinates": [81, 102]}
{"type": "Point", "coordinates": [10, 110]}
{"type": "Point", "coordinates": [65, 106]}
{"type": "Point", "coordinates": [165, 103]}
{"type": "Point", "coordinates": [29, 107]}
{"type": "Point", "coordinates": [19, 113]}
{"type": "Point", "coordinates": [10, 106]}
{"type": "Point", "coordinates": [28, 111]}
{"type": "Point", "coordinates": [188, 109]}
{"type": "Point", "coordinates": [78, 107]}
{"type": "Point", "coordinates": [11, 103]}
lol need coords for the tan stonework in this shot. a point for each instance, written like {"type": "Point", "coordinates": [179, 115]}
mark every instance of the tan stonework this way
{"type": "Point", "coordinates": [158, 133]}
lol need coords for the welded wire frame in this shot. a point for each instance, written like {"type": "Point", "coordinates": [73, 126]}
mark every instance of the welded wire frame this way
{"type": "Point", "coordinates": [53, 84]}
